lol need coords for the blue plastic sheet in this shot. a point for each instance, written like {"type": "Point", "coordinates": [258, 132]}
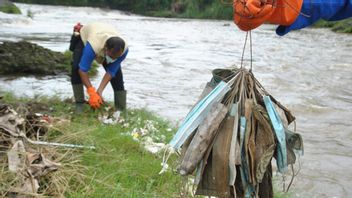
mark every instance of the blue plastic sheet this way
{"type": "Point", "coordinates": [313, 10]}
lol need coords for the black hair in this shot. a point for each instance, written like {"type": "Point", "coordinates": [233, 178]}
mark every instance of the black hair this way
{"type": "Point", "coordinates": [115, 43]}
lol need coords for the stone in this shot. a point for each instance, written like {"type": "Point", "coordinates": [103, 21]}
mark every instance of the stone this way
{"type": "Point", "coordinates": [26, 58]}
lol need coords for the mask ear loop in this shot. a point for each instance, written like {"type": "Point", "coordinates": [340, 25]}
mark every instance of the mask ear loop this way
{"type": "Point", "coordinates": [250, 47]}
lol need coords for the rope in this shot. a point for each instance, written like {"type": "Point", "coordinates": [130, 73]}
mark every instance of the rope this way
{"type": "Point", "coordinates": [298, 11]}
{"type": "Point", "coordinates": [250, 48]}
{"type": "Point", "coordinates": [244, 47]}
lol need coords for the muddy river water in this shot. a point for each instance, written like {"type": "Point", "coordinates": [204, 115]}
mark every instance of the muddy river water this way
{"type": "Point", "coordinates": [170, 61]}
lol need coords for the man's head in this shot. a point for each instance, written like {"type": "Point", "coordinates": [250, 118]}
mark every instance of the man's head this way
{"type": "Point", "coordinates": [114, 47]}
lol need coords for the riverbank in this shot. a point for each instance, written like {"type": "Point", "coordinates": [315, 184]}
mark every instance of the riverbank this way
{"type": "Point", "coordinates": [122, 165]}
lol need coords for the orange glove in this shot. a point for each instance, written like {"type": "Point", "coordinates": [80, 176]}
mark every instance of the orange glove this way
{"type": "Point", "coordinates": [95, 101]}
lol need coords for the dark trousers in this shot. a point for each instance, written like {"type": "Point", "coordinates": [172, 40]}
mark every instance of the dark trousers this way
{"type": "Point", "coordinates": [77, 46]}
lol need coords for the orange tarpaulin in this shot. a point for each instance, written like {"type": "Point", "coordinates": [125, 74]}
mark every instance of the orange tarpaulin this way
{"type": "Point", "coordinates": [250, 14]}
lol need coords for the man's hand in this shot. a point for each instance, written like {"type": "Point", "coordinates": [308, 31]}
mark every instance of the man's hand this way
{"type": "Point", "coordinates": [95, 100]}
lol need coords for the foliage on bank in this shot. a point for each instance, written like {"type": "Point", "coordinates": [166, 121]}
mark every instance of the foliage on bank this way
{"type": "Point", "coordinates": [8, 7]}
{"type": "Point", "coordinates": [343, 26]}
{"type": "Point", "coordinates": [209, 9]}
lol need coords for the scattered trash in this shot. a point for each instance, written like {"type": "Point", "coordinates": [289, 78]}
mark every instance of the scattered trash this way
{"type": "Point", "coordinates": [148, 136]}
{"type": "Point", "coordinates": [18, 137]}
{"type": "Point", "coordinates": [113, 119]}
{"type": "Point", "coordinates": [164, 169]}
{"type": "Point", "coordinates": [14, 156]}
{"type": "Point", "coordinates": [60, 144]}
{"type": "Point", "coordinates": [151, 146]}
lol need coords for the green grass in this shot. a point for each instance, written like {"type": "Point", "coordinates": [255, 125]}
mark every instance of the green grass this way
{"type": "Point", "coordinates": [119, 166]}
{"type": "Point", "coordinates": [343, 26]}
{"type": "Point", "coordinates": [10, 9]}
{"type": "Point", "coordinates": [209, 10]}
{"type": "Point", "coordinates": [278, 193]}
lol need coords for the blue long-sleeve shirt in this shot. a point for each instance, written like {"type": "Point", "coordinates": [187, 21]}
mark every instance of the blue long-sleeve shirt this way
{"type": "Point", "coordinates": [313, 10]}
{"type": "Point", "coordinates": [88, 57]}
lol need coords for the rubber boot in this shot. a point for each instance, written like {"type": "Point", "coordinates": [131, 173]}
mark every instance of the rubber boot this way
{"type": "Point", "coordinates": [78, 93]}
{"type": "Point", "coordinates": [120, 101]}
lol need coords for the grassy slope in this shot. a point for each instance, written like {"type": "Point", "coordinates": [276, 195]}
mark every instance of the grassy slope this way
{"type": "Point", "coordinates": [119, 167]}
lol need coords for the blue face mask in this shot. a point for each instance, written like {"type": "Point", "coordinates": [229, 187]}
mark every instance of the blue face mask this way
{"type": "Point", "coordinates": [109, 59]}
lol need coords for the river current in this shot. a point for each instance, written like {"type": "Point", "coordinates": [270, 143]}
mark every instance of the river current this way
{"type": "Point", "coordinates": [170, 61]}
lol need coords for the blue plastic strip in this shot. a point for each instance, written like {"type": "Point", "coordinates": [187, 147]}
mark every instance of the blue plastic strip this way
{"type": "Point", "coordinates": [280, 135]}
{"type": "Point", "coordinates": [197, 114]}
{"type": "Point", "coordinates": [248, 188]}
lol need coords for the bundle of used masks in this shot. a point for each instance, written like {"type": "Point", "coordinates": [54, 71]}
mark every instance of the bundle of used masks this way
{"type": "Point", "coordinates": [230, 136]}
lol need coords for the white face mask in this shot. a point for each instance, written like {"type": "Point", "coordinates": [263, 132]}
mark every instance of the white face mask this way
{"type": "Point", "coordinates": [109, 59]}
